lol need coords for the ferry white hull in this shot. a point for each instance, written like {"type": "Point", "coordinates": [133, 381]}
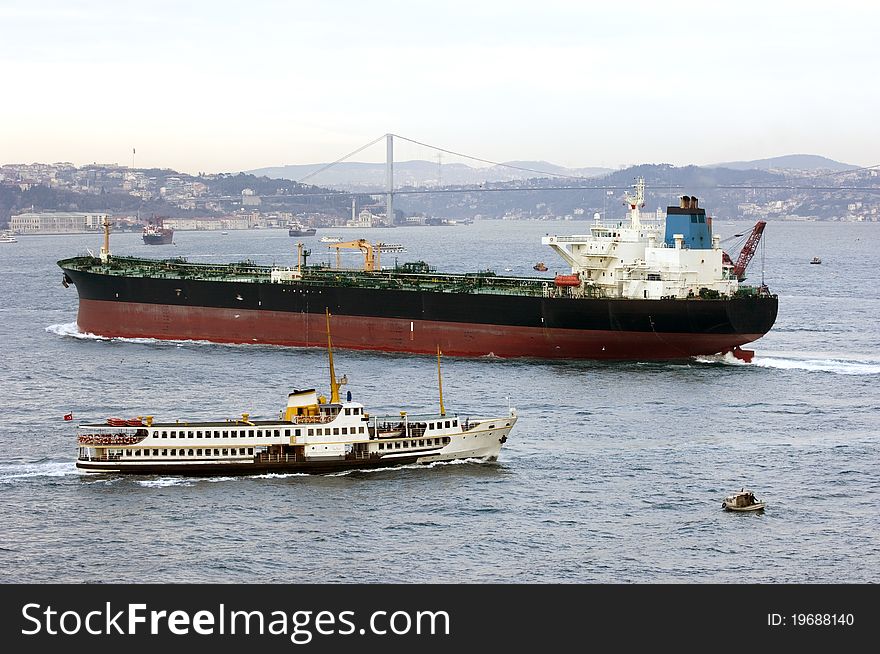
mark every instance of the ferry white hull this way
{"type": "Point", "coordinates": [480, 440]}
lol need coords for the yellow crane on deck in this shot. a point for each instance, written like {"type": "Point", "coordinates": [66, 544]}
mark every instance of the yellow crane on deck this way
{"type": "Point", "coordinates": [371, 254]}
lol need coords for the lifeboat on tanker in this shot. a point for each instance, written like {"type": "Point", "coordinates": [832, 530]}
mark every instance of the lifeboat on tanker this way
{"type": "Point", "coordinates": [568, 280]}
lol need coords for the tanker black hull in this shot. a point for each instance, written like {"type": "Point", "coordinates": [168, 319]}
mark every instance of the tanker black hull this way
{"type": "Point", "coordinates": [461, 323]}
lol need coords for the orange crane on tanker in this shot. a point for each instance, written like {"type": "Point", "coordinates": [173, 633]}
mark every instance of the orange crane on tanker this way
{"type": "Point", "coordinates": [747, 252]}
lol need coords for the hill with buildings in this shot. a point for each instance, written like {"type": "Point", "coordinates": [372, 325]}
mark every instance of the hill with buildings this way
{"type": "Point", "coordinates": [134, 196]}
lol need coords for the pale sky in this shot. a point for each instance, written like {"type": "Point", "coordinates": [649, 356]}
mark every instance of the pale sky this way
{"type": "Point", "coordinates": [222, 86]}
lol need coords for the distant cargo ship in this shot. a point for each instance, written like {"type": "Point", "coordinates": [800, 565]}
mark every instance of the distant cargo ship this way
{"type": "Point", "coordinates": [298, 229]}
{"type": "Point", "coordinates": [634, 292]}
{"type": "Point", "coordinates": [158, 234]}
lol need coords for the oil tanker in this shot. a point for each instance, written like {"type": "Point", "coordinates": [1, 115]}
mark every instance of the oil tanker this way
{"type": "Point", "coordinates": [635, 291]}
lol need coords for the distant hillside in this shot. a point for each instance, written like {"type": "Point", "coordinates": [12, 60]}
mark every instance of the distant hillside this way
{"type": "Point", "coordinates": [811, 162]}
{"type": "Point", "coordinates": [362, 176]}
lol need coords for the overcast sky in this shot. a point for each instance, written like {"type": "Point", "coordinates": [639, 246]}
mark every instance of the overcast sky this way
{"type": "Point", "coordinates": [226, 86]}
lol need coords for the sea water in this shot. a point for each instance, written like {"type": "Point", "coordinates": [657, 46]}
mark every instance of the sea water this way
{"type": "Point", "coordinates": [615, 471]}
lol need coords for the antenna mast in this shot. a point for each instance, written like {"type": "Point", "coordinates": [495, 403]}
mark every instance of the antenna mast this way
{"type": "Point", "coordinates": [440, 383]}
{"type": "Point", "coordinates": [334, 386]}
{"type": "Point", "coordinates": [105, 249]}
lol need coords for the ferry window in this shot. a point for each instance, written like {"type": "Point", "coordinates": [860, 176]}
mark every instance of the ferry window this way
{"type": "Point", "coordinates": [421, 443]}
{"type": "Point", "coordinates": [357, 411]}
{"type": "Point", "coordinates": [397, 445]}
{"type": "Point", "coordinates": [430, 425]}
{"type": "Point", "coordinates": [336, 431]}
{"type": "Point", "coordinates": [286, 433]}
{"type": "Point", "coordinates": [347, 411]}
{"type": "Point", "coordinates": [320, 432]}
{"type": "Point", "coordinates": [137, 452]}
{"type": "Point", "coordinates": [311, 432]}
{"type": "Point", "coordinates": [216, 434]}
{"type": "Point", "coordinates": [225, 452]}
{"type": "Point", "coordinates": [455, 423]}
{"type": "Point", "coordinates": [259, 433]}
{"type": "Point", "coordinates": [361, 430]}
{"type": "Point", "coordinates": [344, 431]}
{"type": "Point", "coordinates": [198, 453]}
{"type": "Point", "coordinates": [216, 452]}
{"type": "Point", "coordinates": [277, 433]}
{"type": "Point", "coordinates": [296, 432]}
{"type": "Point", "coordinates": [174, 434]}
{"type": "Point", "coordinates": [198, 434]}
{"type": "Point", "coordinates": [430, 441]}
{"type": "Point", "coordinates": [225, 434]}
{"type": "Point", "coordinates": [164, 452]}
{"type": "Point", "coordinates": [173, 452]}
{"type": "Point", "coordinates": [190, 452]}
{"type": "Point", "coordinates": [447, 423]}
{"type": "Point", "coordinates": [250, 450]}
{"type": "Point", "coordinates": [189, 434]}
{"type": "Point", "coordinates": [381, 446]}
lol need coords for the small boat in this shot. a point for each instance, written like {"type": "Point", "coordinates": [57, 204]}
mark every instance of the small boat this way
{"type": "Point", "coordinates": [815, 260]}
{"type": "Point", "coordinates": [745, 500]}
{"type": "Point", "coordinates": [7, 237]}
{"type": "Point", "coordinates": [224, 233]}
{"type": "Point", "coordinates": [540, 266]}
{"type": "Point", "coordinates": [331, 239]}
{"type": "Point", "coordinates": [312, 434]}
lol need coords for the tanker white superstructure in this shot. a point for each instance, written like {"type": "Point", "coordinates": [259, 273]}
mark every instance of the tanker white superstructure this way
{"type": "Point", "coordinates": [637, 259]}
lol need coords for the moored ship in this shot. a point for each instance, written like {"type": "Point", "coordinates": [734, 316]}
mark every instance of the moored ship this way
{"type": "Point", "coordinates": [298, 229]}
{"type": "Point", "coordinates": [158, 234]}
{"type": "Point", "coordinates": [635, 291]}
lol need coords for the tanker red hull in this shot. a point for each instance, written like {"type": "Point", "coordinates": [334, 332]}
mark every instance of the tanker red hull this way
{"type": "Point", "coordinates": [232, 325]}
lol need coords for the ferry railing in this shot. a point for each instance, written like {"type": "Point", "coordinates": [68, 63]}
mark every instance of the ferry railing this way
{"type": "Point", "coordinates": [266, 457]}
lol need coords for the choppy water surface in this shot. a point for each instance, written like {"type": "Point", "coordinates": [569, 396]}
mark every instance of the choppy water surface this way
{"type": "Point", "coordinates": [614, 473]}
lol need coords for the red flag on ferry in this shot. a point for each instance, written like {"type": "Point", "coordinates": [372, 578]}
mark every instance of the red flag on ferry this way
{"type": "Point", "coordinates": [68, 416]}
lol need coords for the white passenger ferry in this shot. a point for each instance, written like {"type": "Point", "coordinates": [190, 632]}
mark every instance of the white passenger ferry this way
{"type": "Point", "coordinates": [311, 435]}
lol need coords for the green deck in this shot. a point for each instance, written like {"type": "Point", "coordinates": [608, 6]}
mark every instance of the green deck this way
{"type": "Point", "coordinates": [399, 278]}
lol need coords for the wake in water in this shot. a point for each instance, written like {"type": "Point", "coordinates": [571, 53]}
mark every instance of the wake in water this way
{"type": "Point", "coordinates": [11, 473]}
{"type": "Point", "coordinates": [837, 366]}
{"type": "Point", "coordinates": [70, 330]}
{"type": "Point", "coordinates": [164, 482]}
